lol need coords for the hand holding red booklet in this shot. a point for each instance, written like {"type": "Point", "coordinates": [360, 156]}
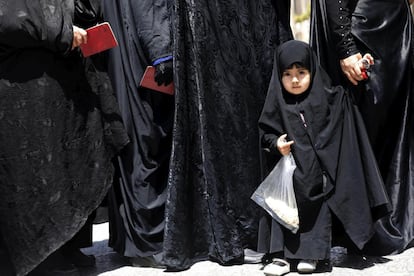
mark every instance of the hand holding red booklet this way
{"type": "Point", "coordinates": [149, 82]}
{"type": "Point", "coordinates": [100, 38]}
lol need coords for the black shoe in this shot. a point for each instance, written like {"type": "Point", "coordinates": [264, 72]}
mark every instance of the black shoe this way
{"type": "Point", "coordinates": [55, 265]}
{"type": "Point", "coordinates": [78, 258]}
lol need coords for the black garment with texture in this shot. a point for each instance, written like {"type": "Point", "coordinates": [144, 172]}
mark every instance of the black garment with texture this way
{"type": "Point", "coordinates": [384, 29]}
{"type": "Point", "coordinates": [60, 127]}
{"type": "Point", "coordinates": [137, 200]}
{"type": "Point", "coordinates": [223, 57]}
{"type": "Point", "coordinates": [336, 169]}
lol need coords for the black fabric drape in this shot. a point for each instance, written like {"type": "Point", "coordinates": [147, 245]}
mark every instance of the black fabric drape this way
{"type": "Point", "coordinates": [384, 29]}
{"type": "Point", "coordinates": [223, 56]}
{"type": "Point", "coordinates": [59, 129]}
{"type": "Point", "coordinates": [137, 201]}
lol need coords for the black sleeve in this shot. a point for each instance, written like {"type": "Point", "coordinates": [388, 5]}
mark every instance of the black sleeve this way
{"type": "Point", "coordinates": [46, 24]}
{"type": "Point", "coordinates": [88, 13]}
{"type": "Point", "coordinates": [269, 143]}
{"type": "Point", "coordinates": [269, 126]}
{"type": "Point", "coordinates": [339, 13]}
{"type": "Point", "coordinates": [153, 22]}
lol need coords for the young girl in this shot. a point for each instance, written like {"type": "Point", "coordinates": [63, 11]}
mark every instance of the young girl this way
{"type": "Point", "coordinates": [336, 178]}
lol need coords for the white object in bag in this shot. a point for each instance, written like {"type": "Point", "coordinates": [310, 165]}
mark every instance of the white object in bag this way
{"type": "Point", "coordinates": [277, 196]}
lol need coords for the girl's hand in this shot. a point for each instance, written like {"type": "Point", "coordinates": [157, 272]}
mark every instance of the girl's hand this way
{"type": "Point", "coordinates": [80, 36]}
{"type": "Point", "coordinates": [283, 146]}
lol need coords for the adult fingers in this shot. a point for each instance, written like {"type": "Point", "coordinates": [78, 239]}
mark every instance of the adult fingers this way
{"type": "Point", "coordinates": [80, 36]}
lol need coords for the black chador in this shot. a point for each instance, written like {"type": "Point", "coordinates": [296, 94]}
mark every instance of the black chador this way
{"type": "Point", "coordinates": [137, 200]}
{"type": "Point", "coordinates": [60, 128]}
{"type": "Point", "coordinates": [336, 175]}
{"type": "Point", "coordinates": [385, 30]}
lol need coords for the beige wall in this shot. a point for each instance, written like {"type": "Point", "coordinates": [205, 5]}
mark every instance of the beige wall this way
{"type": "Point", "coordinates": [299, 6]}
{"type": "Point", "coordinates": [300, 29]}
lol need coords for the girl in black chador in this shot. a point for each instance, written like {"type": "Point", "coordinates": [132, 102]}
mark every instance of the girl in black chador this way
{"type": "Point", "coordinates": [336, 178]}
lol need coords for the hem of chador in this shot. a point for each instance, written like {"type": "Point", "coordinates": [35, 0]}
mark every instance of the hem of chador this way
{"type": "Point", "coordinates": [139, 255]}
{"type": "Point", "coordinates": [173, 266]}
{"type": "Point", "coordinates": [307, 256]}
{"type": "Point", "coordinates": [135, 254]}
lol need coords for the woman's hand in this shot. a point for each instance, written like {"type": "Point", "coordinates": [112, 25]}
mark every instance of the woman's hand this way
{"type": "Point", "coordinates": [80, 36]}
{"type": "Point", "coordinates": [369, 58]}
{"type": "Point", "coordinates": [352, 66]}
{"type": "Point", "coordinates": [282, 145]}
{"type": "Point", "coordinates": [350, 69]}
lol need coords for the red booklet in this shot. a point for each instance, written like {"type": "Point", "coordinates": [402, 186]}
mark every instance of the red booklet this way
{"type": "Point", "coordinates": [148, 81]}
{"type": "Point", "coordinates": [100, 38]}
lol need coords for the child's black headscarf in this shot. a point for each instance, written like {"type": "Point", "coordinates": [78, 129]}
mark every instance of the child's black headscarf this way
{"type": "Point", "coordinates": [298, 53]}
{"type": "Point", "coordinates": [273, 119]}
{"type": "Point", "coordinates": [294, 52]}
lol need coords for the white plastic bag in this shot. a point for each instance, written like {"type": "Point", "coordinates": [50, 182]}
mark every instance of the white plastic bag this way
{"type": "Point", "coordinates": [277, 196]}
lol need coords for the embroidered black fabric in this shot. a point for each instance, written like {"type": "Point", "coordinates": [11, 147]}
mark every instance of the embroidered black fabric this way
{"type": "Point", "coordinates": [59, 129]}
{"type": "Point", "coordinates": [223, 60]}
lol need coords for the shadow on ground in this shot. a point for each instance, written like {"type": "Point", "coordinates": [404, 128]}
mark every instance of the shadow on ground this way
{"type": "Point", "coordinates": [340, 258]}
{"type": "Point", "coordinates": [106, 259]}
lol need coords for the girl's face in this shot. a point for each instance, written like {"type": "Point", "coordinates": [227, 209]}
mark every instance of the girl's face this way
{"type": "Point", "coordinates": [296, 80]}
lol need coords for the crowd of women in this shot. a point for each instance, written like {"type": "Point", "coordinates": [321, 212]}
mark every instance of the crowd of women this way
{"type": "Point", "coordinates": [177, 171]}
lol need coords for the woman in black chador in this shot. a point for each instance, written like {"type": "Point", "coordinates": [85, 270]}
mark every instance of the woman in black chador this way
{"type": "Point", "coordinates": [222, 60]}
{"type": "Point", "coordinates": [342, 32]}
{"type": "Point", "coordinates": [59, 129]}
{"type": "Point", "coordinates": [137, 200]}
{"type": "Point", "coordinates": [336, 175]}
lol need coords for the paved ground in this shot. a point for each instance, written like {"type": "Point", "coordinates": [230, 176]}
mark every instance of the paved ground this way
{"type": "Point", "coordinates": [110, 263]}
